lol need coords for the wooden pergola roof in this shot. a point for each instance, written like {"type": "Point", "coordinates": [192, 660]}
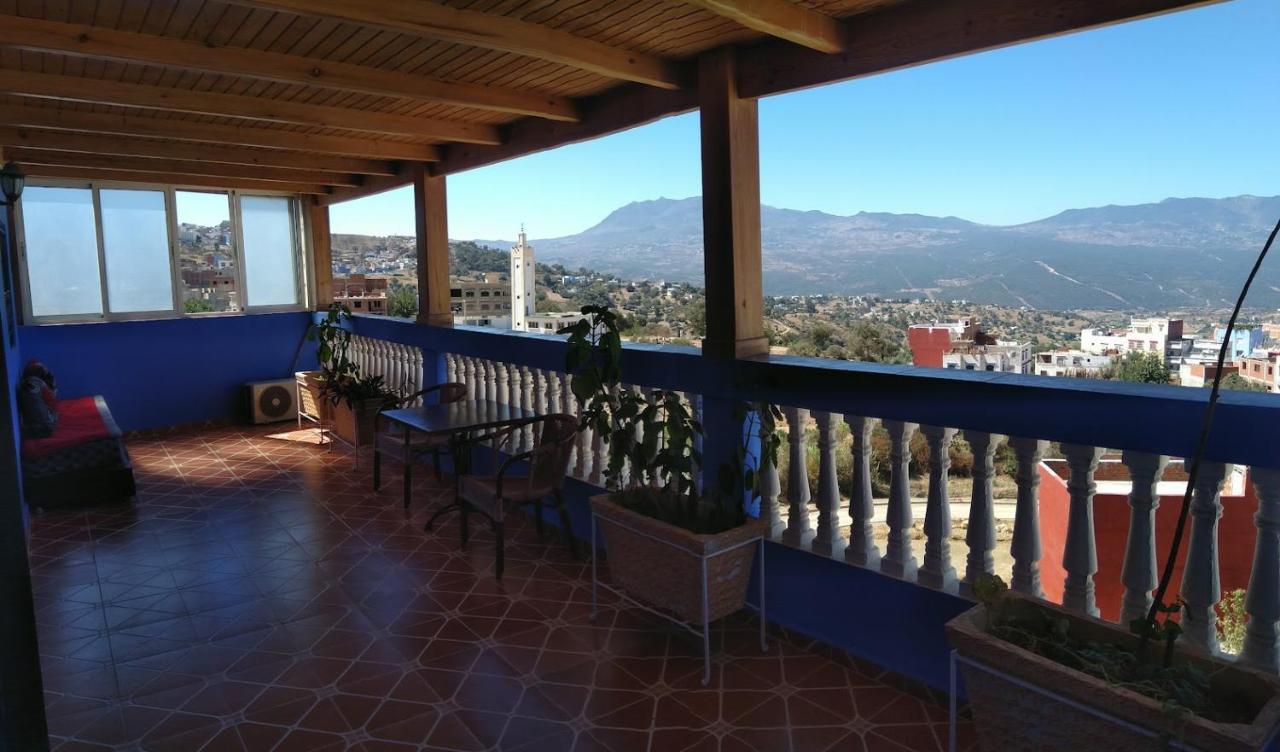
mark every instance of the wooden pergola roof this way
{"type": "Point", "coordinates": [342, 98]}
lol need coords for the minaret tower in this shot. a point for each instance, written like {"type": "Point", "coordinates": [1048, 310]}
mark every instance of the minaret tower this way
{"type": "Point", "coordinates": [522, 290]}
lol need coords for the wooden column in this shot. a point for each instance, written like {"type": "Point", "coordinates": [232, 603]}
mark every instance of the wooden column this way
{"type": "Point", "coordinates": [431, 206]}
{"type": "Point", "coordinates": [321, 252]}
{"type": "Point", "coordinates": [730, 211]}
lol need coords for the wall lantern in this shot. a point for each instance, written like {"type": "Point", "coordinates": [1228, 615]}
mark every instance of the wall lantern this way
{"type": "Point", "coordinates": [11, 182]}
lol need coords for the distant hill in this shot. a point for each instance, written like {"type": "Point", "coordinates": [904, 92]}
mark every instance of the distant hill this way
{"type": "Point", "coordinates": [1177, 252]}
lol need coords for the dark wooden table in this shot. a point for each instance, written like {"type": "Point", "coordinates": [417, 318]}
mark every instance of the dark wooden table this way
{"type": "Point", "coordinates": [458, 421]}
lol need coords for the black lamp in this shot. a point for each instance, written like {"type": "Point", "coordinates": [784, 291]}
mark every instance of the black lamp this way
{"type": "Point", "coordinates": [11, 182]}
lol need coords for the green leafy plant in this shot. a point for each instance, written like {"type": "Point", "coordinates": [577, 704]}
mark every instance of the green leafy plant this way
{"type": "Point", "coordinates": [652, 457]}
{"type": "Point", "coordinates": [340, 378]}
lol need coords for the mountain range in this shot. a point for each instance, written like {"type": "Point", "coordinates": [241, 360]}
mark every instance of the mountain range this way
{"type": "Point", "coordinates": [1180, 252]}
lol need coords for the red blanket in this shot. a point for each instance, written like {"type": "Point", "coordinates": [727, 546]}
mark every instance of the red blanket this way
{"type": "Point", "coordinates": [79, 421]}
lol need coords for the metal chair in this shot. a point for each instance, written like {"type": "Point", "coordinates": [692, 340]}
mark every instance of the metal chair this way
{"type": "Point", "coordinates": [391, 442]}
{"type": "Point", "coordinates": [547, 465]}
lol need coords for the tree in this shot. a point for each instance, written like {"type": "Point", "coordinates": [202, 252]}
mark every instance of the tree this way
{"type": "Point", "coordinates": [197, 305]}
{"type": "Point", "coordinates": [1141, 368]}
{"type": "Point", "coordinates": [402, 302]}
{"type": "Point", "coordinates": [1240, 383]}
{"type": "Point", "coordinates": [871, 343]}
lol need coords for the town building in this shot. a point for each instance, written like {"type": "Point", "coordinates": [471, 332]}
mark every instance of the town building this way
{"type": "Point", "coordinates": [1103, 341]}
{"type": "Point", "coordinates": [1004, 356]}
{"type": "Point", "coordinates": [1076, 363]}
{"type": "Point", "coordinates": [1193, 373]}
{"type": "Point", "coordinates": [485, 302]}
{"type": "Point", "coordinates": [1243, 341]}
{"type": "Point", "coordinates": [1259, 367]}
{"type": "Point", "coordinates": [361, 293]}
{"type": "Point", "coordinates": [929, 342]}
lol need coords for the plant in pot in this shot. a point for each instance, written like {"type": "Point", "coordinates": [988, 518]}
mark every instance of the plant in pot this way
{"type": "Point", "coordinates": [1097, 685]}
{"type": "Point", "coordinates": [349, 402]}
{"type": "Point", "coordinates": [670, 544]}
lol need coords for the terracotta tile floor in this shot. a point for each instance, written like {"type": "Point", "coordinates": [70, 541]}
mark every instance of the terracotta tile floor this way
{"type": "Point", "coordinates": [260, 596]}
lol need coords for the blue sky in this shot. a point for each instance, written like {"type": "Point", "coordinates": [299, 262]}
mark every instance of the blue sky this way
{"type": "Point", "coordinates": [1179, 105]}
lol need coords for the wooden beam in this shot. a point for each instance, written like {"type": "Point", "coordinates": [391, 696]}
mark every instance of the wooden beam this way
{"type": "Point", "coordinates": [78, 89]}
{"type": "Point", "coordinates": [182, 167]}
{"type": "Point", "coordinates": [431, 208]}
{"type": "Point", "coordinates": [615, 110]}
{"type": "Point", "coordinates": [490, 31]}
{"type": "Point", "coordinates": [136, 147]}
{"type": "Point", "coordinates": [239, 135]}
{"type": "Point", "coordinates": [109, 44]}
{"type": "Point", "coordinates": [908, 34]}
{"type": "Point", "coordinates": [166, 178]}
{"type": "Point", "coordinates": [321, 253]}
{"type": "Point", "coordinates": [783, 19]}
{"type": "Point", "coordinates": [730, 212]}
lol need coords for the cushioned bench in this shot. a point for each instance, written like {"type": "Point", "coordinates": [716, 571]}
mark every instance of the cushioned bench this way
{"type": "Point", "coordinates": [83, 463]}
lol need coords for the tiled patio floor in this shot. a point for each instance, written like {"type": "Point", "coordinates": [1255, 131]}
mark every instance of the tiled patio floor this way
{"type": "Point", "coordinates": [260, 596]}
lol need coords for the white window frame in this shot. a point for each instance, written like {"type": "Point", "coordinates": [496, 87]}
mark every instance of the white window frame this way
{"type": "Point", "coordinates": [302, 261]}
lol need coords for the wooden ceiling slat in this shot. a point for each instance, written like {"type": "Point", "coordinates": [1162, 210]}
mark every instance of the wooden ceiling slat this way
{"type": "Point", "coordinates": [126, 125]}
{"type": "Point", "coordinates": [167, 178]}
{"type": "Point", "coordinates": [124, 146]}
{"type": "Point", "coordinates": [491, 31]}
{"type": "Point", "coordinates": [179, 167]}
{"type": "Point", "coordinates": [253, 108]}
{"type": "Point", "coordinates": [783, 19]}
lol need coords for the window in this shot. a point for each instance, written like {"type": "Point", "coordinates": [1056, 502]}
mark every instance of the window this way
{"type": "Point", "coordinates": [206, 252]}
{"type": "Point", "coordinates": [94, 251]}
{"type": "Point", "coordinates": [61, 241]}
{"type": "Point", "coordinates": [270, 254]}
{"type": "Point", "coordinates": [135, 246]}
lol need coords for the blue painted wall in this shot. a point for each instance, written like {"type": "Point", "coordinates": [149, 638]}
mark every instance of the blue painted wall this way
{"type": "Point", "coordinates": [171, 371]}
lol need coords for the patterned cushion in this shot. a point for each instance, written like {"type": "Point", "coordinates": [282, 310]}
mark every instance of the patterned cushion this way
{"type": "Point", "coordinates": [37, 408]}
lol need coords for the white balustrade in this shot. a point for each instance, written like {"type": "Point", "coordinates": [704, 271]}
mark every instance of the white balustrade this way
{"type": "Point", "coordinates": [1261, 637]}
{"type": "Point", "coordinates": [936, 571]}
{"type": "Point", "coordinates": [862, 549]}
{"type": "Point", "coordinates": [1201, 587]}
{"type": "Point", "coordinates": [898, 559]}
{"type": "Point", "coordinates": [1025, 546]}
{"type": "Point", "coordinates": [826, 540]}
{"type": "Point", "coordinates": [1139, 570]}
{"type": "Point", "coordinates": [770, 489]}
{"type": "Point", "coordinates": [798, 532]}
{"type": "Point", "coordinates": [981, 535]}
{"type": "Point", "coordinates": [1080, 554]}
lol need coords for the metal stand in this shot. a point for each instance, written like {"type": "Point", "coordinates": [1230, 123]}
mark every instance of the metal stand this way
{"type": "Point", "coordinates": [705, 632]}
{"type": "Point", "coordinates": [957, 659]}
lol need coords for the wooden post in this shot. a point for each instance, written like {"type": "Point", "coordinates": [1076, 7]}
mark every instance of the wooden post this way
{"type": "Point", "coordinates": [730, 211]}
{"type": "Point", "coordinates": [321, 252]}
{"type": "Point", "coordinates": [432, 209]}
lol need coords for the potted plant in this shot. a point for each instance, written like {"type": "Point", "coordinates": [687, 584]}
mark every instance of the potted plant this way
{"type": "Point", "coordinates": [1095, 685]}
{"type": "Point", "coordinates": [347, 402]}
{"type": "Point", "coordinates": [654, 508]}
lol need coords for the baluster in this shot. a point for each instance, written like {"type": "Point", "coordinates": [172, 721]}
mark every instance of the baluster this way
{"type": "Point", "coordinates": [1080, 554]}
{"type": "Point", "coordinates": [1261, 638]}
{"type": "Point", "coordinates": [469, 376]}
{"type": "Point", "coordinates": [513, 384]}
{"type": "Point", "coordinates": [598, 459]}
{"type": "Point", "coordinates": [826, 541]}
{"type": "Point", "coordinates": [502, 392]}
{"type": "Point", "coordinates": [416, 368]}
{"type": "Point", "coordinates": [1139, 570]}
{"type": "Point", "coordinates": [526, 403]}
{"type": "Point", "coordinates": [569, 406]}
{"type": "Point", "coordinates": [1201, 588]}
{"type": "Point", "coordinates": [769, 491]}
{"type": "Point", "coordinates": [487, 381]}
{"type": "Point", "coordinates": [898, 560]}
{"type": "Point", "coordinates": [862, 549]}
{"type": "Point", "coordinates": [937, 571]}
{"type": "Point", "coordinates": [1025, 546]}
{"type": "Point", "coordinates": [451, 368]}
{"type": "Point", "coordinates": [798, 532]}
{"type": "Point", "coordinates": [695, 406]}
{"type": "Point", "coordinates": [981, 535]}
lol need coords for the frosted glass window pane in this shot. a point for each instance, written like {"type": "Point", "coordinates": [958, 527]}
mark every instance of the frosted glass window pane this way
{"type": "Point", "coordinates": [135, 241]}
{"type": "Point", "coordinates": [206, 252]}
{"type": "Point", "coordinates": [270, 266]}
{"type": "Point", "coordinates": [62, 251]}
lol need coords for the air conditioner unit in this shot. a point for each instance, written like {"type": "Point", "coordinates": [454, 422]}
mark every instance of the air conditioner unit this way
{"type": "Point", "coordinates": [272, 401]}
